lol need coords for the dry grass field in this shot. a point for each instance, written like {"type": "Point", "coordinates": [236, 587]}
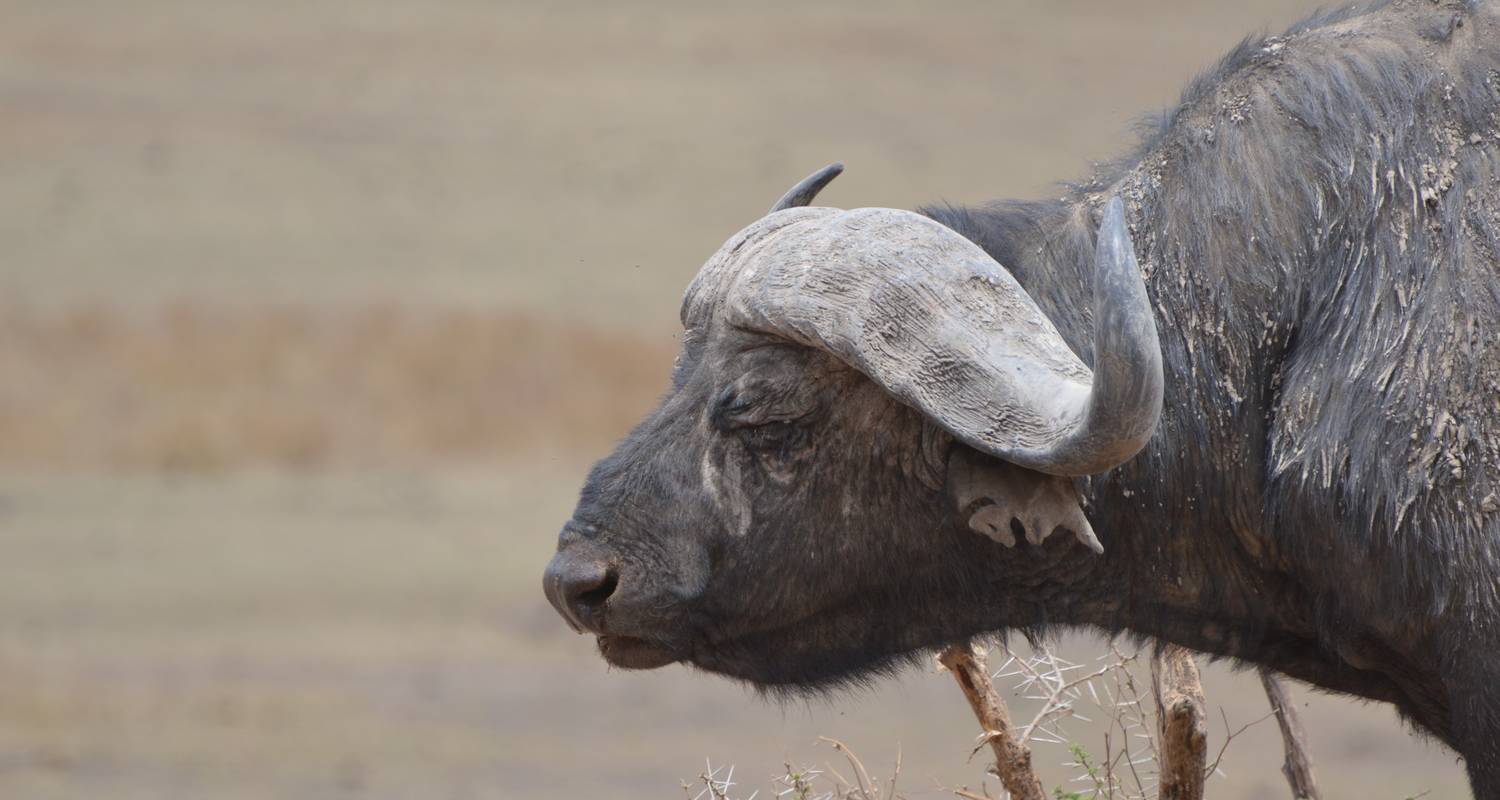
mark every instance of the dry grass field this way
{"type": "Point", "coordinates": [312, 316]}
{"type": "Point", "coordinates": [197, 386]}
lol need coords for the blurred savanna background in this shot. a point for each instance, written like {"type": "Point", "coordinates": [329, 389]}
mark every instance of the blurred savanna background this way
{"type": "Point", "coordinates": [313, 315]}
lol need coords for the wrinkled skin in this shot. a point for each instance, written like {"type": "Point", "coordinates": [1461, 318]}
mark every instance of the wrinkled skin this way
{"type": "Point", "coordinates": [755, 440]}
{"type": "Point", "coordinates": [735, 541]}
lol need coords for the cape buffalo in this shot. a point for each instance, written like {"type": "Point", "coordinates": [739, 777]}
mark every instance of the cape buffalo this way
{"type": "Point", "coordinates": [1252, 370]}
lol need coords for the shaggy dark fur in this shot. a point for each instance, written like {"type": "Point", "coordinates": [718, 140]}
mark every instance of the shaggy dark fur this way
{"type": "Point", "coordinates": [1318, 222]}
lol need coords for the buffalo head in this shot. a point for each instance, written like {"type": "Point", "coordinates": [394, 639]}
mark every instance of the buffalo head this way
{"type": "Point", "coordinates": [858, 393]}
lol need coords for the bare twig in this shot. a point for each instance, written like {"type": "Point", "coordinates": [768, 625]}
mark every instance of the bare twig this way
{"type": "Point", "coordinates": [1012, 758]}
{"type": "Point", "coordinates": [838, 779]}
{"type": "Point", "coordinates": [1109, 764]}
{"type": "Point", "coordinates": [895, 774]}
{"type": "Point", "coordinates": [861, 777]}
{"type": "Point", "coordinates": [1298, 767]}
{"type": "Point", "coordinates": [1184, 731]}
{"type": "Point", "coordinates": [1229, 736]}
{"type": "Point", "coordinates": [1130, 698]}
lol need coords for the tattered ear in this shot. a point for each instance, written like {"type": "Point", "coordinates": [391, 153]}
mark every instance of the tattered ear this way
{"type": "Point", "coordinates": [993, 493]}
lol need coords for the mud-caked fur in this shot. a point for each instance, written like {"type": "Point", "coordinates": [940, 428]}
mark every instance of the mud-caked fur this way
{"type": "Point", "coordinates": [1318, 224]}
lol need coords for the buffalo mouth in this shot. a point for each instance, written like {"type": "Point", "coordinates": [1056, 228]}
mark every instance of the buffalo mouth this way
{"type": "Point", "coordinates": [628, 652]}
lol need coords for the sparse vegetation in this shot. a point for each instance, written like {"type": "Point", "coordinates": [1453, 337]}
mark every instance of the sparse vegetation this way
{"type": "Point", "coordinates": [1105, 696]}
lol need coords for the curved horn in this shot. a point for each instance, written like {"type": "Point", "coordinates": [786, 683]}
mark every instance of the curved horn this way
{"type": "Point", "coordinates": [808, 188]}
{"type": "Point", "coordinates": [1125, 400]}
{"type": "Point", "coordinates": [939, 324]}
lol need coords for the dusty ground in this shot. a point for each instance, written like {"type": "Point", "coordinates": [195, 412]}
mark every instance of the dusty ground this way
{"type": "Point", "coordinates": [312, 316]}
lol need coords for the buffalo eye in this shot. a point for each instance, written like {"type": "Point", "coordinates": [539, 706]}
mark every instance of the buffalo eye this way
{"type": "Point", "coordinates": [743, 417]}
{"type": "Point", "coordinates": [777, 438]}
{"type": "Point", "coordinates": [768, 418]}
{"type": "Point", "coordinates": [728, 411]}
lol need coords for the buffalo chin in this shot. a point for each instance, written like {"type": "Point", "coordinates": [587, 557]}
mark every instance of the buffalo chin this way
{"type": "Point", "coordinates": [630, 653]}
{"type": "Point", "coordinates": [772, 671]}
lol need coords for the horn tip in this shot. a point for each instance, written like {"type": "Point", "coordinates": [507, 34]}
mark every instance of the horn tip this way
{"type": "Point", "coordinates": [808, 188]}
{"type": "Point", "coordinates": [1114, 215]}
{"type": "Point", "coordinates": [1115, 252]}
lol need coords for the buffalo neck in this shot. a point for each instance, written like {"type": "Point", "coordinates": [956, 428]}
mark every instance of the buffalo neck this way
{"type": "Point", "coordinates": [1166, 570]}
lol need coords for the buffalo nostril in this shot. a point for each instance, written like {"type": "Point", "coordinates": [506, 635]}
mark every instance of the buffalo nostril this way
{"type": "Point", "coordinates": [579, 588]}
{"type": "Point", "coordinates": [599, 589]}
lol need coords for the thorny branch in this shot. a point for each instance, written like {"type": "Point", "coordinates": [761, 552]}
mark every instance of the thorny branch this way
{"type": "Point", "coordinates": [1142, 751]}
{"type": "Point", "coordinates": [1012, 758]}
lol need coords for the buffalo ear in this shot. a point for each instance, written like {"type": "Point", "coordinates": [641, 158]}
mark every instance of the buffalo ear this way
{"type": "Point", "coordinates": [994, 492]}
